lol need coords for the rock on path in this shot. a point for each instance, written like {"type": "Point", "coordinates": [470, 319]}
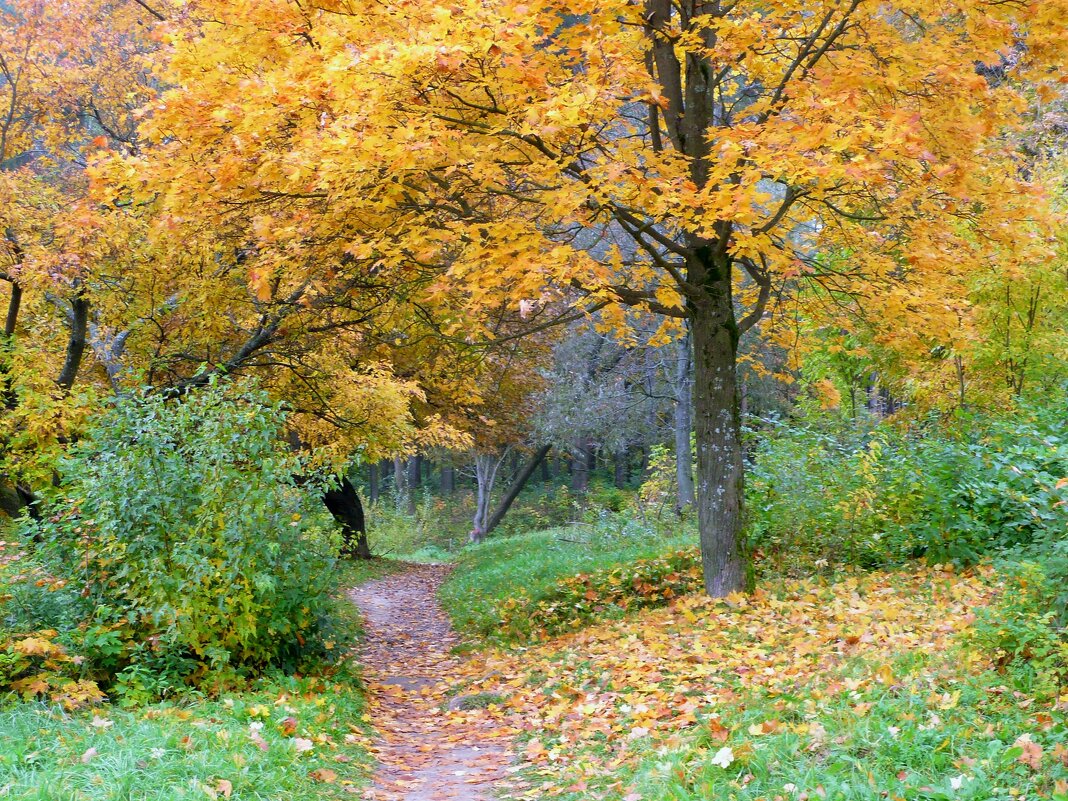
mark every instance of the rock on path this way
{"type": "Point", "coordinates": [425, 752]}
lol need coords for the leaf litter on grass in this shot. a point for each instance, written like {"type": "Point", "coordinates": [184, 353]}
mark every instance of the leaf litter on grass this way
{"type": "Point", "coordinates": [592, 704]}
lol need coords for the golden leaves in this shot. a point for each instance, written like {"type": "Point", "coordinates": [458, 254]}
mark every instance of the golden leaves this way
{"type": "Point", "coordinates": [659, 671]}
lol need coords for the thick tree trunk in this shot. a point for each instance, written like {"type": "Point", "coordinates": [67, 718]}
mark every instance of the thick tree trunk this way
{"type": "Point", "coordinates": [538, 457]}
{"type": "Point", "coordinates": [717, 421]}
{"type": "Point", "coordinates": [683, 426]}
{"type": "Point", "coordinates": [344, 504]}
{"type": "Point", "coordinates": [79, 324]}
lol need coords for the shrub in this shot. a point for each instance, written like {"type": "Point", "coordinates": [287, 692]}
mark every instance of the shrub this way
{"type": "Point", "coordinates": [194, 548]}
{"type": "Point", "coordinates": [876, 494]}
{"type": "Point", "coordinates": [1020, 634]}
{"type": "Point", "coordinates": [35, 665]}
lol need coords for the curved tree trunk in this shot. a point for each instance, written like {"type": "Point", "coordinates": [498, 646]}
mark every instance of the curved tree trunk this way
{"type": "Point", "coordinates": [343, 502]}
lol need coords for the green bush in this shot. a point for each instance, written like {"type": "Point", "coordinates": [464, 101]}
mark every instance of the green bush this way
{"type": "Point", "coordinates": [834, 491]}
{"type": "Point", "coordinates": [876, 494]}
{"type": "Point", "coordinates": [1020, 633]}
{"type": "Point", "coordinates": [194, 549]}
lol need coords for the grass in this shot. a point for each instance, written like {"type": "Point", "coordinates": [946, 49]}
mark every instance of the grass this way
{"type": "Point", "coordinates": [249, 744]}
{"type": "Point", "coordinates": [941, 734]}
{"type": "Point", "coordinates": [302, 737]}
{"type": "Point", "coordinates": [862, 689]}
{"type": "Point", "coordinates": [529, 565]}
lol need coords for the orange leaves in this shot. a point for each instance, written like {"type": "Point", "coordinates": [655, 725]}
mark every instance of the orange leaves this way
{"type": "Point", "coordinates": [659, 671]}
{"type": "Point", "coordinates": [1030, 752]}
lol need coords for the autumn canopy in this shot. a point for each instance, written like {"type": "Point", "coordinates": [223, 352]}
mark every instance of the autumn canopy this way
{"type": "Point", "coordinates": [364, 203]}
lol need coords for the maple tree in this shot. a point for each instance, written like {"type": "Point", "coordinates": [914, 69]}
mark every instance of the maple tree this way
{"type": "Point", "coordinates": [64, 95]}
{"type": "Point", "coordinates": [695, 160]}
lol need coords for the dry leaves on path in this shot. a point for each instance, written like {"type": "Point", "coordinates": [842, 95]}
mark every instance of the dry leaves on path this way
{"type": "Point", "coordinates": [426, 751]}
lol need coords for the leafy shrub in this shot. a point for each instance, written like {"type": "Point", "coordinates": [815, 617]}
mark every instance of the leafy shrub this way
{"type": "Point", "coordinates": [835, 491]}
{"type": "Point", "coordinates": [193, 546]}
{"type": "Point", "coordinates": [877, 494]}
{"type": "Point", "coordinates": [35, 665]}
{"type": "Point", "coordinates": [578, 599]}
{"type": "Point", "coordinates": [1020, 633]}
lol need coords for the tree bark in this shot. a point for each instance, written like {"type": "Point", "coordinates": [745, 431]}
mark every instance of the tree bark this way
{"type": "Point", "coordinates": [683, 425]}
{"type": "Point", "coordinates": [538, 457]}
{"type": "Point", "coordinates": [448, 479]}
{"type": "Point", "coordinates": [620, 465]}
{"type": "Point", "coordinates": [343, 502]}
{"type": "Point", "coordinates": [546, 475]}
{"type": "Point", "coordinates": [7, 389]}
{"type": "Point", "coordinates": [486, 467]}
{"type": "Point", "coordinates": [372, 482]}
{"type": "Point", "coordinates": [79, 324]}
{"type": "Point", "coordinates": [415, 471]}
{"type": "Point", "coordinates": [580, 465]}
{"type": "Point", "coordinates": [717, 419]}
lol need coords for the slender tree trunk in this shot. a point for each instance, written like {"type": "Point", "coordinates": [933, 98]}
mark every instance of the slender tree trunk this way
{"type": "Point", "coordinates": [538, 457]}
{"type": "Point", "coordinates": [546, 474]}
{"type": "Point", "coordinates": [372, 482]}
{"type": "Point", "coordinates": [7, 389]}
{"type": "Point", "coordinates": [580, 465]}
{"type": "Point", "coordinates": [400, 485]}
{"type": "Point", "coordinates": [620, 468]}
{"type": "Point", "coordinates": [684, 425]}
{"type": "Point", "coordinates": [448, 479]}
{"type": "Point", "coordinates": [718, 426]}
{"type": "Point", "coordinates": [414, 471]}
{"type": "Point", "coordinates": [486, 467]}
{"type": "Point", "coordinates": [344, 504]}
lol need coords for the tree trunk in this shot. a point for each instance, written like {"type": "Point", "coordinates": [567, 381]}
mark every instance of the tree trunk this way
{"type": "Point", "coordinates": [580, 465]}
{"type": "Point", "coordinates": [717, 421]}
{"type": "Point", "coordinates": [400, 486]}
{"type": "Point", "coordinates": [79, 324]}
{"type": "Point", "coordinates": [414, 471]}
{"type": "Point", "coordinates": [344, 504]}
{"type": "Point", "coordinates": [620, 465]}
{"type": "Point", "coordinates": [683, 426]}
{"type": "Point", "coordinates": [520, 481]}
{"type": "Point", "coordinates": [7, 390]}
{"type": "Point", "coordinates": [546, 475]}
{"type": "Point", "coordinates": [448, 479]}
{"type": "Point", "coordinates": [486, 467]}
{"type": "Point", "coordinates": [372, 482]}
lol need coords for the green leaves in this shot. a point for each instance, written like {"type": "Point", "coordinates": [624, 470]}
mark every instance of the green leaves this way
{"type": "Point", "coordinates": [183, 521]}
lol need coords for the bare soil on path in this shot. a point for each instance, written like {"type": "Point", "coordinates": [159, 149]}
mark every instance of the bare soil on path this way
{"type": "Point", "coordinates": [425, 751]}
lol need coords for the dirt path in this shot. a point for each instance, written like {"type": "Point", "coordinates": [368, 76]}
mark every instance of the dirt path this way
{"type": "Point", "coordinates": [425, 751]}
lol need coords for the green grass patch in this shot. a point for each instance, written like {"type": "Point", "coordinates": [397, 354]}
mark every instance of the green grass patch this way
{"type": "Point", "coordinates": [499, 584]}
{"type": "Point", "coordinates": [964, 737]}
{"type": "Point", "coordinates": [286, 738]}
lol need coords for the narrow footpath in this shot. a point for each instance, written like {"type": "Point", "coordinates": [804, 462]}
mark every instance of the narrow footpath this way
{"type": "Point", "coordinates": [425, 751]}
